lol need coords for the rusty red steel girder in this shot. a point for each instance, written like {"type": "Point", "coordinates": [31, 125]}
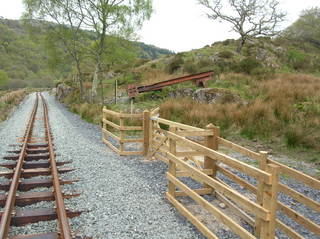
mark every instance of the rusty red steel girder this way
{"type": "Point", "coordinates": [199, 78]}
{"type": "Point", "coordinates": [35, 159]}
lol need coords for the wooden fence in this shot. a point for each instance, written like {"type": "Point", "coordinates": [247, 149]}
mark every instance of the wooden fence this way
{"type": "Point", "coordinates": [115, 132]}
{"type": "Point", "coordinates": [204, 157]}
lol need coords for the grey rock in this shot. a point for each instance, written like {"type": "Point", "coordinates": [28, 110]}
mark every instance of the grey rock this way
{"type": "Point", "coordinates": [62, 91]}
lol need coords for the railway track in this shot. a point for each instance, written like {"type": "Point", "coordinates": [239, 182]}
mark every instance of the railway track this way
{"type": "Point", "coordinates": [34, 156]}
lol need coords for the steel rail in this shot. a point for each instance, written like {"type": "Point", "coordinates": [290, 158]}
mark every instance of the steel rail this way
{"type": "Point", "coordinates": [11, 198]}
{"type": "Point", "coordinates": [65, 231]}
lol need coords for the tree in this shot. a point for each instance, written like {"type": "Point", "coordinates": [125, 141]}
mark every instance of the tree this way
{"type": "Point", "coordinates": [306, 28]}
{"type": "Point", "coordinates": [118, 18]}
{"type": "Point", "coordinates": [66, 35]}
{"type": "Point", "coordinates": [249, 18]}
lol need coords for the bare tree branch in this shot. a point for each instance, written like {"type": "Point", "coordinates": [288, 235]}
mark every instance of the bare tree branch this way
{"type": "Point", "coordinates": [249, 18]}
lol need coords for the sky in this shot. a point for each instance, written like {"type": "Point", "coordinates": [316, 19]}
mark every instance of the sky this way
{"type": "Point", "coordinates": [180, 25]}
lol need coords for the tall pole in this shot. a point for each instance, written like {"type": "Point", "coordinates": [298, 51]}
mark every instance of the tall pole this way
{"type": "Point", "coordinates": [115, 91]}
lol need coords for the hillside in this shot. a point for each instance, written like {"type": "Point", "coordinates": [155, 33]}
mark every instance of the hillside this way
{"type": "Point", "coordinates": [268, 94]}
{"type": "Point", "coordinates": [25, 59]}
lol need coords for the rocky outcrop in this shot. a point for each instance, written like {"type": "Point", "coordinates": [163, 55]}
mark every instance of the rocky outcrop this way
{"type": "Point", "coordinates": [207, 95]}
{"type": "Point", "coordinates": [61, 91]}
{"type": "Point", "coordinates": [212, 95]}
{"type": "Point", "coordinates": [186, 92]}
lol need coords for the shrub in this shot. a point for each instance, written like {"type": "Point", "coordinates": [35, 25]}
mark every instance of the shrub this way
{"type": "Point", "coordinates": [140, 62]}
{"type": "Point", "coordinates": [228, 42]}
{"type": "Point", "coordinates": [224, 65]}
{"type": "Point", "coordinates": [226, 54]}
{"type": "Point", "coordinates": [4, 79]}
{"type": "Point", "coordinates": [128, 79]}
{"type": "Point", "coordinates": [298, 60]}
{"type": "Point", "coordinates": [248, 65]}
{"type": "Point", "coordinates": [293, 137]}
{"type": "Point", "coordinates": [190, 67]}
{"type": "Point", "coordinates": [263, 72]}
{"type": "Point", "coordinates": [175, 64]}
{"type": "Point", "coordinates": [17, 84]}
{"type": "Point", "coordinates": [204, 63]}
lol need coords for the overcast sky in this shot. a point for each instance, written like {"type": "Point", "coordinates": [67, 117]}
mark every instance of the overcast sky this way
{"type": "Point", "coordinates": [179, 25]}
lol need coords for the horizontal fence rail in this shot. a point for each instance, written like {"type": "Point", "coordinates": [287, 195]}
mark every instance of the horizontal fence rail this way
{"type": "Point", "coordinates": [202, 156]}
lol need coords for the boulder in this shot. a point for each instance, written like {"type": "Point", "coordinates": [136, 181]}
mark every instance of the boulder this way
{"type": "Point", "coordinates": [62, 91]}
{"type": "Point", "coordinates": [207, 95]}
{"type": "Point", "coordinates": [186, 92]}
{"type": "Point", "coordinates": [214, 95]}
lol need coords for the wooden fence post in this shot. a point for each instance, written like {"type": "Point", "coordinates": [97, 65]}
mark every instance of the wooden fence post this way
{"type": "Point", "coordinates": [263, 167]}
{"type": "Point", "coordinates": [212, 143]}
{"type": "Point", "coordinates": [172, 165]}
{"type": "Point", "coordinates": [122, 134]}
{"type": "Point", "coordinates": [267, 197]}
{"type": "Point", "coordinates": [146, 132]}
{"type": "Point", "coordinates": [102, 121]}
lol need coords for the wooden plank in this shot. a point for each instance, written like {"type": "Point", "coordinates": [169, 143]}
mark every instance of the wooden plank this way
{"type": "Point", "coordinates": [312, 182]}
{"type": "Point", "coordinates": [300, 197]}
{"type": "Point", "coordinates": [241, 166]}
{"type": "Point", "coordinates": [122, 135]}
{"type": "Point", "coordinates": [164, 148]}
{"type": "Point", "coordinates": [242, 214]}
{"type": "Point", "coordinates": [146, 131]}
{"type": "Point", "coordinates": [237, 179]}
{"type": "Point", "coordinates": [155, 111]}
{"type": "Point", "coordinates": [178, 125]}
{"type": "Point", "coordinates": [189, 153]}
{"type": "Point", "coordinates": [239, 149]}
{"type": "Point", "coordinates": [156, 146]}
{"type": "Point", "coordinates": [188, 174]}
{"type": "Point", "coordinates": [162, 158]}
{"type": "Point", "coordinates": [226, 191]}
{"type": "Point", "coordinates": [124, 115]}
{"type": "Point", "coordinates": [270, 202]}
{"type": "Point", "coordinates": [307, 223]}
{"type": "Point", "coordinates": [131, 140]}
{"type": "Point", "coordinates": [236, 228]}
{"type": "Point", "coordinates": [185, 212]}
{"type": "Point", "coordinates": [291, 233]}
{"type": "Point", "coordinates": [129, 153]}
{"type": "Point", "coordinates": [111, 146]}
{"type": "Point", "coordinates": [111, 134]}
{"type": "Point", "coordinates": [111, 124]}
{"type": "Point", "coordinates": [260, 190]}
{"type": "Point", "coordinates": [158, 137]}
{"type": "Point", "coordinates": [195, 133]}
{"type": "Point", "coordinates": [201, 191]}
{"type": "Point", "coordinates": [110, 112]}
{"type": "Point", "coordinates": [211, 142]}
{"type": "Point", "coordinates": [172, 165]}
{"type": "Point", "coordinates": [131, 128]}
